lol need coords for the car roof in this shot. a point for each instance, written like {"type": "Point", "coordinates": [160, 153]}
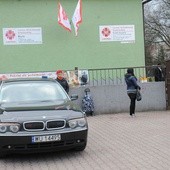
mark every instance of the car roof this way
{"type": "Point", "coordinates": [28, 79]}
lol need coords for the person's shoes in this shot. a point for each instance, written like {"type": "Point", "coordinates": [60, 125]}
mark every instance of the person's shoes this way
{"type": "Point", "coordinates": [132, 115]}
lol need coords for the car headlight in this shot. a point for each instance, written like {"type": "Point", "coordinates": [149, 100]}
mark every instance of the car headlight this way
{"type": "Point", "coordinates": [77, 122]}
{"type": "Point", "coordinates": [72, 123]}
{"type": "Point", "coordinates": [3, 128]}
{"type": "Point", "coordinates": [81, 122]}
{"type": "Point", "coordinates": [12, 127]}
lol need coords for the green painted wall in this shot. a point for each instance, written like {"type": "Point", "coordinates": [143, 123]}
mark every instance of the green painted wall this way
{"type": "Point", "coordinates": [60, 48]}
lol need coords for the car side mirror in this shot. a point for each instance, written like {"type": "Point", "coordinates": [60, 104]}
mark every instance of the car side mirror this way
{"type": "Point", "coordinates": [74, 97]}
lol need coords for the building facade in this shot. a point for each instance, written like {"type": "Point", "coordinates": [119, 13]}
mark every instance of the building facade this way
{"type": "Point", "coordinates": [110, 35]}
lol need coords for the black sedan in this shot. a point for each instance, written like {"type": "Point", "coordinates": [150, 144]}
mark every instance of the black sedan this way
{"type": "Point", "coordinates": [37, 115]}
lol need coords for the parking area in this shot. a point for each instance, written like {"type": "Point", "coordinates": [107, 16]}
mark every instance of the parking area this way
{"type": "Point", "coordinates": [115, 142]}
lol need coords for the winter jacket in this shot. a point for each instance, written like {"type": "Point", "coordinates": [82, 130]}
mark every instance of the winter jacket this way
{"type": "Point", "coordinates": [63, 82]}
{"type": "Point", "coordinates": [131, 82]}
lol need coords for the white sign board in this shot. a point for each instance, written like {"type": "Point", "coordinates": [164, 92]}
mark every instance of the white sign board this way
{"type": "Point", "coordinates": [27, 75]}
{"type": "Point", "coordinates": [71, 76]}
{"type": "Point", "coordinates": [122, 33]}
{"type": "Point", "coordinates": [18, 36]}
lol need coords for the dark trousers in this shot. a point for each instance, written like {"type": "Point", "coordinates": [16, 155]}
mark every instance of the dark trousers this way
{"type": "Point", "coordinates": [132, 97]}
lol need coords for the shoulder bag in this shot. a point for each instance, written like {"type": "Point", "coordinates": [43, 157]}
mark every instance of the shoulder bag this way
{"type": "Point", "coordinates": [138, 95]}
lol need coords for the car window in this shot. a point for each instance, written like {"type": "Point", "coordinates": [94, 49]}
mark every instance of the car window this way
{"type": "Point", "coordinates": [31, 91]}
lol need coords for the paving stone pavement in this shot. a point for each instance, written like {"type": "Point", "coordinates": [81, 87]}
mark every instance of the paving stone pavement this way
{"type": "Point", "coordinates": [115, 142]}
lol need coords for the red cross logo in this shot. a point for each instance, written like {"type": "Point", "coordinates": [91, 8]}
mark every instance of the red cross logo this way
{"type": "Point", "coordinates": [10, 34]}
{"type": "Point", "coordinates": [106, 32]}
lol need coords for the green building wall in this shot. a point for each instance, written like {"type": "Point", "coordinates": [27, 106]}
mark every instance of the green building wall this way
{"type": "Point", "coordinates": [63, 50]}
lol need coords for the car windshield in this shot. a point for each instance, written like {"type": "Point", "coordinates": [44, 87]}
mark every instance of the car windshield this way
{"type": "Point", "coordinates": [31, 91]}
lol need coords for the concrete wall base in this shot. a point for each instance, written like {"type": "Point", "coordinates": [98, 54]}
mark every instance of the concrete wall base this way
{"type": "Point", "coordinates": [114, 99]}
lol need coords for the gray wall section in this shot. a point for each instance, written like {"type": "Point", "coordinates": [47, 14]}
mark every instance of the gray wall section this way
{"type": "Point", "coordinates": [114, 99]}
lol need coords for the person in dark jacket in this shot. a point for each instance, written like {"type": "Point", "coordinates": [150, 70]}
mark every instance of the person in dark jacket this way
{"type": "Point", "coordinates": [159, 73]}
{"type": "Point", "coordinates": [63, 82]}
{"type": "Point", "coordinates": [132, 86]}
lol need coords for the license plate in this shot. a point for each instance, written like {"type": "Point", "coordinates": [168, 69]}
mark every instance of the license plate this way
{"type": "Point", "coordinates": [47, 138]}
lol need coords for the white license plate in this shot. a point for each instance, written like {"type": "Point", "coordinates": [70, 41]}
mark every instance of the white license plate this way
{"type": "Point", "coordinates": [47, 138]}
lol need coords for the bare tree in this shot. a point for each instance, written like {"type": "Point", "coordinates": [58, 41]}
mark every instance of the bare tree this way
{"type": "Point", "coordinates": [157, 28]}
{"type": "Point", "coordinates": [157, 21]}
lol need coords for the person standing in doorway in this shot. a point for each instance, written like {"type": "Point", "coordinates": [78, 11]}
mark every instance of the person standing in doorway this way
{"type": "Point", "coordinates": [159, 73]}
{"type": "Point", "coordinates": [63, 82]}
{"type": "Point", "coordinates": [132, 87]}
